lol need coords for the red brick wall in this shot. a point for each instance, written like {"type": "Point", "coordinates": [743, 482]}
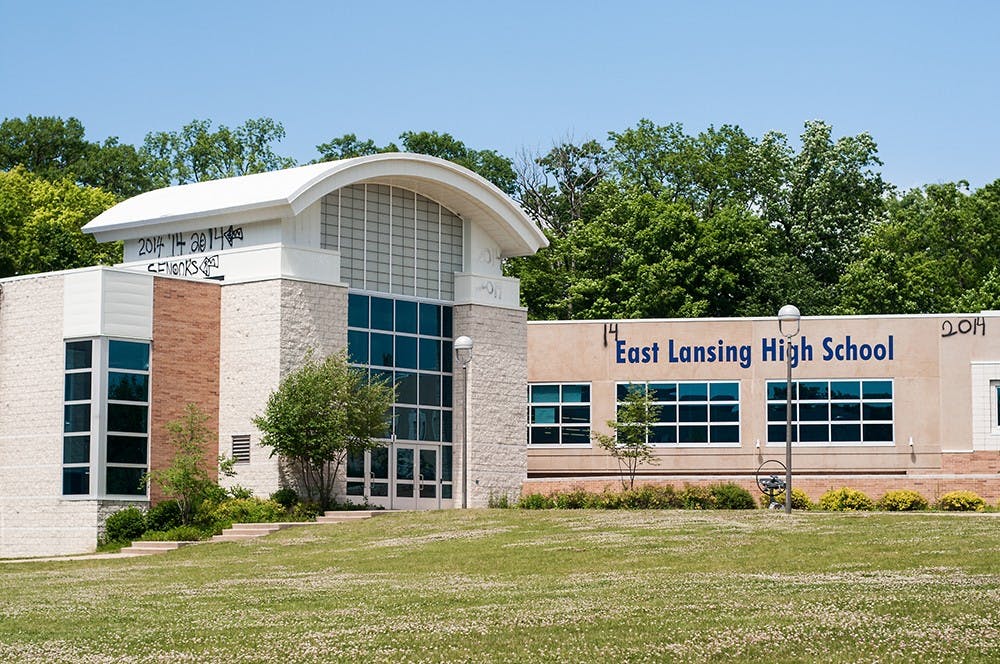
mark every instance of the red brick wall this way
{"type": "Point", "coordinates": [185, 363]}
{"type": "Point", "coordinates": [974, 462]}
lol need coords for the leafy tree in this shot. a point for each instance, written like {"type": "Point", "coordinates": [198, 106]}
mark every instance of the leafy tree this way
{"type": "Point", "coordinates": [40, 224]}
{"type": "Point", "coordinates": [629, 444]}
{"type": "Point", "coordinates": [188, 479]}
{"type": "Point", "coordinates": [319, 414]}
{"type": "Point", "coordinates": [348, 146]}
{"type": "Point", "coordinates": [196, 153]}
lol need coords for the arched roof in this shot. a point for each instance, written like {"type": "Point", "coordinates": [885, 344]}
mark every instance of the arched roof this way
{"type": "Point", "coordinates": [283, 194]}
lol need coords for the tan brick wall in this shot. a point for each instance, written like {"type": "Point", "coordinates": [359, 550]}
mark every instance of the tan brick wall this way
{"type": "Point", "coordinates": [185, 364]}
{"type": "Point", "coordinates": [974, 462]}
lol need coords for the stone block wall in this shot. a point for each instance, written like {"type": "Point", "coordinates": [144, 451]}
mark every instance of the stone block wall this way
{"type": "Point", "coordinates": [497, 375]}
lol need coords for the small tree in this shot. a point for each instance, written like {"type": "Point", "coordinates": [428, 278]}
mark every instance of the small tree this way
{"type": "Point", "coordinates": [629, 443]}
{"type": "Point", "coordinates": [187, 479]}
{"type": "Point", "coordinates": [318, 414]}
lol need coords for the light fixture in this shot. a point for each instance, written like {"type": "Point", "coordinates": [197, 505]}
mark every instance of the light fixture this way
{"type": "Point", "coordinates": [463, 353]}
{"type": "Point", "coordinates": [788, 325]}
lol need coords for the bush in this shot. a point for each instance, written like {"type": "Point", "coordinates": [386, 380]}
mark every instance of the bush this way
{"type": "Point", "coordinates": [164, 516]}
{"type": "Point", "coordinates": [125, 525]}
{"type": "Point", "coordinates": [535, 501]}
{"type": "Point", "coordinates": [649, 497]}
{"type": "Point", "coordinates": [498, 501]}
{"type": "Point", "coordinates": [800, 501]}
{"type": "Point", "coordinates": [306, 511]}
{"type": "Point", "coordinates": [285, 497]}
{"type": "Point", "coordinates": [240, 492]}
{"type": "Point", "coordinates": [845, 499]}
{"type": "Point", "coordinates": [731, 496]}
{"type": "Point", "coordinates": [571, 500]}
{"type": "Point", "coordinates": [695, 497]}
{"type": "Point", "coordinates": [961, 501]}
{"type": "Point", "coordinates": [247, 510]}
{"type": "Point", "coordinates": [178, 534]}
{"type": "Point", "coordinates": [902, 500]}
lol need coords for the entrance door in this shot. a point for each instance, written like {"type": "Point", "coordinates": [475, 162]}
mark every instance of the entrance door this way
{"type": "Point", "coordinates": [402, 476]}
{"type": "Point", "coordinates": [417, 477]}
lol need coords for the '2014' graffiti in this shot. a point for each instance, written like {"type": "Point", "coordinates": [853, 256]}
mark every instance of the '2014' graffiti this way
{"type": "Point", "coordinates": [179, 244]}
{"type": "Point", "coordinates": [186, 267]}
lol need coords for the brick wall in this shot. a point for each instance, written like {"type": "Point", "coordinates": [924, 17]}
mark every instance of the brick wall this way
{"type": "Point", "coordinates": [185, 364]}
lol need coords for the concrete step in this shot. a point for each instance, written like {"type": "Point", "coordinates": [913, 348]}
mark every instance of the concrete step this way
{"type": "Point", "coordinates": [151, 548]}
{"type": "Point", "coordinates": [244, 531]}
{"type": "Point", "coordinates": [337, 516]}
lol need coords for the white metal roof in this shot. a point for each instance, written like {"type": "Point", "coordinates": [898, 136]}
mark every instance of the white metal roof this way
{"type": "Point", "coordinates": [283, 194]}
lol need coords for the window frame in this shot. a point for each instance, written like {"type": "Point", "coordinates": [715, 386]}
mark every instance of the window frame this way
{"type": "Point", "coordinates": [677, 402]}
{"type": "Point", "coordinates": [560, 425]}
{"type": "Point", "coordinates": [861, 401]}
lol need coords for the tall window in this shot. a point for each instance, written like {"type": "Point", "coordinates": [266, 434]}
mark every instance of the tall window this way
{"type": "Point", "coordinates": [693, 413]}
{"type": "Point", "coordinates": [77, 429]}
{"type": "Point", "coordinates": [559, 414]}
{"type": "Point", "coordinates": [832, 412]}
{"type": "Point", "coordinates": [393, 240]}
{"type": "Point", "coordinates": [128, 417]}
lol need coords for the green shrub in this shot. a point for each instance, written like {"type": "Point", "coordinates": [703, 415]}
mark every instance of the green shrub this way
{"type": "Point", "coordinates": [650, 497]}
{"type": "Point", "coordinates": [800, 501]}
{"type": "Point", "coordinates": [285, 497]}
{"type": "Point", "coordinates": [961, 501]}
{"type": "Point", "coordinates": [498, 501]}
{"type": "Point", "coordinates": [902, 500]}
{"type": "Point", "coordinates": [177, 534]}
{"type": "Point", "coordinates": [240, 492]}
{"type": "Point", "coordinates": [695, 497]}
{"type": "Point", "coordinates": [845, 499]}
{"type": "Point", "coordinates": [247, 510]}
{"type": "Point", "coordinates": [570, 500]}
{"type": "Point", "coordinates": [535, 501]}
{"type": "Point", "coordinates": [307, 511]}
{"type": "Point", "coordinates": [164, 516]}
{"type": "Point", "coordinates": [731, 496]}
{"type": "Point", "coordinates": [124, 525]}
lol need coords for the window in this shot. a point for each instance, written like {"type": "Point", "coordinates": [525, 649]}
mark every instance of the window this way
{"type": "Point", "coordinates": [832, 412]}
{"type": "Point", "coordinates": [77, 405]}
{"type": "Point", "coordinates": [127, 417]}
{"type": "Point", "coordinates": [692, 413]}
{"type": "Point", "coordinates": [559, 414]}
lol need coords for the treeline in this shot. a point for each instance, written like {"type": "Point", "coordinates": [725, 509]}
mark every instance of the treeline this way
{"type": "Point", "coordinates": [652, 222]}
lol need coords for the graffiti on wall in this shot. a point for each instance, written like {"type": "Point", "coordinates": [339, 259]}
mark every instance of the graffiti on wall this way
{"type": "Point", "coordinates": [186, 267]}
{"type": "Point", "coordinates": [174, 245]}
{"type": "Point", "coordinates": [974, 326]}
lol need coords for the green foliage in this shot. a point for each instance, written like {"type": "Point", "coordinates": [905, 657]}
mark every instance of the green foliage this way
{"type": "Point", "coordinates": [731, 496]}
{"type": "Point", "coordinates": [318, 414]}
{"type": "Point", "coordinates": [845, 500]}
{"type": "Point", "coordinates": [247, 510]}
{"type": "Point", "coordinates": [800, 500]}
{"type": "Point", "coordinates": [285, 497]}
{"type": "Point", "coordinates": [646, 497]}
{"type": "Point", "coordinates": [176, 534]}
{"type": "Point", "coordinates": [961, 501]}
{"type": "Point", "coordinates": [629, 445]}
{"type": "Point", "coordinates": [305, 512]}
{"type": "Point", "coordinates": [535, 501]}
{"type": "Point", "coordinates": [499, 501]}
{"type": "Point", "coordinates": [239, 492]}
{"type": "Point", "coordinates": [696, 497]}
{"type": "Point", "coordinates": [574, 499]}
{"type": "Point", "coordinates": [125, 525]}
{"type": "Point", "coordinates": [164, 515]}
{"type": "Point", "coordinates": [902, 500]}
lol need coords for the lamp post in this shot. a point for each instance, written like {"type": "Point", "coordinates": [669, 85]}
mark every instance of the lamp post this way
{"type": "Point", "coordinates": [463, 353]}
{"type": "Point", "coordinates": [788, 325]}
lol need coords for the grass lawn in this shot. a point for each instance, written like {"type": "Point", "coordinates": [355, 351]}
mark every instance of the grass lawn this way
{"type": "Point", "coordinates": [550, 586]}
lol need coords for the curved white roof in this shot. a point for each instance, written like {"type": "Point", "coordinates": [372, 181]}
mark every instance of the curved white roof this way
{"type": "Point", "coordinates": [283, 194]}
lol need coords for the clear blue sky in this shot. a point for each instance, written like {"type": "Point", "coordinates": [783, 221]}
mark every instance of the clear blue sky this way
{"type": "Point", "coordinates": [921, 77]}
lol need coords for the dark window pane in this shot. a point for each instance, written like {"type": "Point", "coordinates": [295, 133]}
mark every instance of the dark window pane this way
{"type": "Point", "coordinates": [576, 435]}
{"type": "Point", "coordinates": [406, 316]}
{"type": "Point", "coordinates": [576, 414]}
{"type": "Point", "coordinates": [622, 389]}
{"type": "Point", "coordinates": [76, 481]}
{"type": "Point", "coordinates": [381, 349]}
{"type": "Point", "coordinates": [128, 387]}
{"type": "Point", "coordinates": [76, 449]}
{"type": "Point", "coordinates": [406, 387]}
{"type": "Point", "coordinates": [430, 320]}
{"type": "Point", "coordinates": [380, 376]}
{"type": "Point", "coordinates": [576, 393]}
{"type": "Point", "coordinates": [355, 488]}
{"type": "Point", "coordinates": [850, 412]}
{"type": "Point", "coordinates": [406, 423]}
{"type": "Point", "coordinates": [430, 354]}
{"type": "Point", "coordinates": [129, 419]}
{"type": "Point", "coordinates": [778, 412]}
{"type": "Point", "coordinates": [404, 490]}
{"type": "Point", "coordinates": [845, 389]}
{"type": "Point", "coordinates": [544, 394]}
{"type": "Point", "coordinates": [877, 389]}
{"type": "Point", "coordinates": [127, 449]}
{"type": "Point", "coordinates": [381, 314]}
{"type": "Point", "coordinates": [357, 347]}
{"type": "Point", "coordinates": [76, 417]}
{"type": "Point", "coordinates": [379, 489]}
{"type": "Point", "coordinates": [544, 435]}
{"type": "Point", "coordinates": [845, 433]}
{"type": "Point", "coordinates": [430, 424]}
{"type": "Point", "coordinates": [379, 467]}
{"type": "Point", "coordinates": [125, 481]}
{"type": "Point", "coordinates": [406, 352]}
{"type": "Point", "coordinates": [446, 389]}
{"type": "Point", "coordinates": [357, 310]}
{"type": "Point", "coordinates": [77, 386]}
{"type": "Point", "coordinates": [814, 412]}
{"type": "Point", "coordinates": [128, 355]}
{"type": "Point", "coordinates": [447, 355]}
{"type": "Point", "coordinates": [545, 414]}
{"type": "Point", "coordinates": [446, 463]}
{"type": "Point", "coordinates": [663, 391]}
{"type": "Point", "coordinates": [725, 434]}
{"type": "Point", "coordinates": [724, 391]}
{"type": "Point", "coordinates": [430, 390]}
{"type": "Point", "coordinates": [79, 355]}
{"type": "Point", "coordinates": [428, 490]}
{"type": "Point", "coordinates": [776, 433]}
{"type": "Point", "coordinates": [877, 411]}
{"type": "Point", "coordinates": [404, 464]}
{"type": "Point", "coordinates": [446, 426]}
{"type": "Point", "coordinates": [777, 392]}
{"type": "Point", "coordinates": [877, 433]}
{"type": "Point", "coordinates": [666, 434]}
{"type": "Point", "coordinates": [689, 413]}
{"type": "Point", "coordinates": [689, 434]}
{"type": "Point", "coordinates": [668, 413]}
{"type": "Point", "coordinates": [726, 413]}
{"type": "Point", "coordinates": [446, 325]}
{"type": "Point", "coordinates": [812, 390]}
{"type": "Point", "coordinates": [445, 492]}
{"type": "Point", "coordinates": [355, 463]}
{"type": "Point", "coordinates": [814, 433]}
{"type": "Point", "coordinates": [693, 391]}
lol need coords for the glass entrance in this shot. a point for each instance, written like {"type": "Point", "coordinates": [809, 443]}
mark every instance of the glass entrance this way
{"type": "Point", "coordinates": [402, 476]}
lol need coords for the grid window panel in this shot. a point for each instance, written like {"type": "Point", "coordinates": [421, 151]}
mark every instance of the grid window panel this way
{"type": "Point", "coordinates": [692, 412]}
{"type": "Point", "coordinates": [833, 412]}
{"type": "Point", "coordinates": [559, 414]}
